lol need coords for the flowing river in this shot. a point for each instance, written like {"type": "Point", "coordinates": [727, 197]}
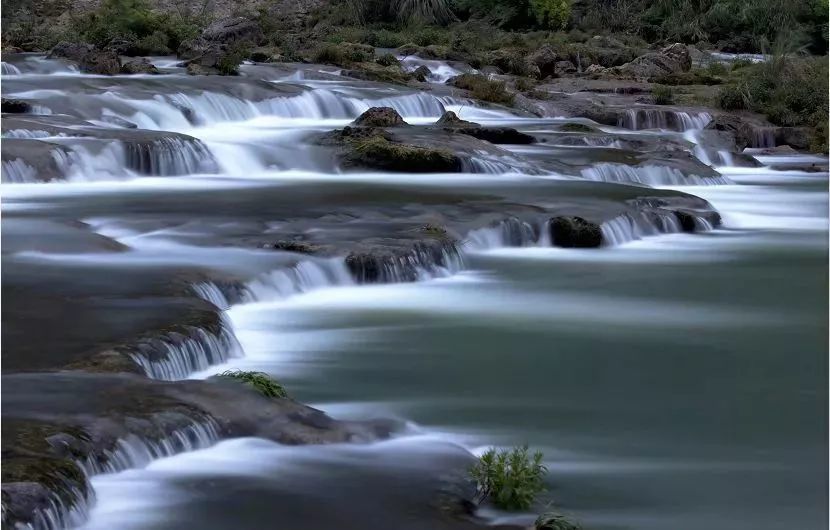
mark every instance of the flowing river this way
{"type": "Point", "coordinates": [673, 380]}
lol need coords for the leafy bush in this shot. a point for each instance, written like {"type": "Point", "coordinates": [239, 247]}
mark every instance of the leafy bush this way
{"type": "Point", "coordinates": [510, 478]}
{"type": "Point", "coordinates": [385, 38]}
{"type": "Point", "coordinates": [553, 14]}
{"type": "Point", "coordinates": [662, 95]}
{"type": "Point", "coordinates": [484, 89]}
{"type": "Point", "coordinates": [388, 60]}
{"type": "Point", "coordinates": [716, 68]}
{"type": "Point", "coordinates": [261, 382]}
{"type": "Point", "coordinates": [731, 97]}
{"type": "Point", "coordinates": [329, 54]}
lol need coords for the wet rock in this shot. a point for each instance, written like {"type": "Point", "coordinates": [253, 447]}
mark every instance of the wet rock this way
{"type": "Point", "coordinates": [375, 72]}
{"type": "Point", "coordinates": [89, 58]}
{"type": "Point", "coordinates": [422, 73]}
{"type": "Point", "coordinates": [595, 69]}
{"type": "Point", "coordinates": [301, 247]}
{"type": "Point", "coordinates": [15, 106]}
{"type": "Point", "coordinates": [450, 119]}
{"type": "Point", "coordinates": [578, 128]}
{"type": "Point", "coordinates": [119, 122]}
{"type": "Point", "coordinates": [139, 66]}
{"type": "Point", "coordinates": [742, 131]}
{"type": "Point", "coordinates": [513, 62]}
{"type": "Point", "coordinates": [686, 219]}
{"type": "Point", "coordinates": [379, 117]}
{"type": "Point", "coordinates": [381, 154]}
{"type": "Point", "coordinates": [545, 59]}
{"type": "Point", "coordinates": [575, 232]}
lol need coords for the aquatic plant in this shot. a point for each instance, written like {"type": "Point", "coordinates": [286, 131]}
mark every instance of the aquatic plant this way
{"type": "Point", "coordinates": [510, 478]}
{"type": "Point", "coordinates": [662, 95]}
{"type": "Point", "coordinates": [261, 382]}
{"type": "Point", "coordinates": [554, 521]}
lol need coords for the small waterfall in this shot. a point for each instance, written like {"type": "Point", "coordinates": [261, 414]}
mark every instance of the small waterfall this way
{"type": "Point", "coordinates": [634, 226]}
{"type": "Point", "coordinates": [59, 514]}
{"type": "Point", "coordinates": [28, 134]}
{"type": "Point", "coordinates": [9, 69]}
{"type": "Point", "coordinates": [423, 262]}
{"type": "Point", "coordinates": [17, 171]}
{"type": "Point", "coordinates": [175, 356]}
{"type": "Point", "coordinates": [509, 233]}
{"type": "Point", "coordinates": [673, 120]}
{"type": "Point", "coordinates": [211, 292]}
{"type": "Point", "coordinates": [649, 175]}
{"type": "Point", "coordinates": [81, 163]}
{"type": "Point", "coordinates": [763, 137]}
{"type": "Point", "coordinates": [302, 277]}
{"type": "Point", "coordinates": [133, 451]}
{"type": "Point", "coordinates": [169, 156]}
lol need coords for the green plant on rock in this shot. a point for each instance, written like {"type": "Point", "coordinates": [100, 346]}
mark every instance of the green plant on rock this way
{"type": "Point", "coordinates": [261, 382]}
{"type": "Point", "coordinates": [510, 478]}
{"type": "Point", "coordinates": [554, 521]}
{"type": "Point", "coordinates": [484, 89]}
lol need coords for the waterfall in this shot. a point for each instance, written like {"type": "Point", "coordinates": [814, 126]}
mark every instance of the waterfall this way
{"type": "Point", "coordinates": [9, 69]}
{"type": "Point", "coordinates": [133, 451]}
{"type": "Point", "coordinates": [302, 277]}
{"type": "Point", "coordinates": [17, 171]}
{"type": "Point", "coordinates": [27, 134]}
{"type": "Point", "coordinates": [674, 120]}
{"type": "Point", "coordinates": [175, 356]}
{"type": "Point", "coordinates": [511, 232]}
{"type": "Point", "coordinates": [633, 226]}
{"type": "Point", "coordinates": [763, 137]}
{"type": "Point", "coordinates": [650, 175]}
{"type": "Point", "coordinates": [169, 156]}
{"type": "Point", "coordinates": [423, 262]}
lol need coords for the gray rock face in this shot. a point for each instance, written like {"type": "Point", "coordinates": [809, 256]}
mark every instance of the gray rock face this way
{"type": "Point", "coordinates": [379, 117]}
{"type": "Point", "coordinates": [672, 59]}
{"type": "Point", "coordinates": [233, 29]}
{"type": "Point", "coordinates": [545, 58]}
{"type": "Point", "coordinates": [15, 106]}
{"type": "Point", "coordinates": [89, 58]}
{"type": "Point", "coordinates": [564, 68]}
{"type": "Point", "coordinates": [740, 129]}
{"type": "Point", "coordinates": [575, 232]}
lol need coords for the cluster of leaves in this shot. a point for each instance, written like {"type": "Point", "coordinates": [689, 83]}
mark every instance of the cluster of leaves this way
{"type": "Point", "coordinates": [260, 381]}
{"type": "Point", "coordinates": [510, 478]}
{"type": "Point", "coordinates": [789, 90]}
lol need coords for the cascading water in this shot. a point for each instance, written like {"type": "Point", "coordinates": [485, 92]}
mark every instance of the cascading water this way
{"type": "Point", "coordinates": [633, 226]}
{"type": "Point", "coordinates": [673, 120]}
{"type": "Point", "coordinates": [17, 171]}
{"type": "Point", "coordinates": [9, 69]}
{"type": "Point", "coordinates": [509, 233]}
{"type": "Point", "coordinates": [175, 356]}
{"type": "Point", "coordinates": [169, 156]}
{"type": "Point", "coordinates": [650, 175]}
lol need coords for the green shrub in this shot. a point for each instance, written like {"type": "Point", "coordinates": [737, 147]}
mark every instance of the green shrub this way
{"type": "Point", "coordinates": [229, 62]}
{"type": "Point", "coordinates": [429, 35]}
{"type": "Point", "coordinates": [731, 97]}
{"type": "Point", "coordinates": [385, 38]}
{"type": "Point", "coordinates": [737, 64]}
{"type": "Point", "coordinates": [153, 44]}
{"type": "Point", "coordinates": [259, 381]}
{"type": "Point", "coordinates": [510, 478]}
{"type": "Point", "coordinates": [388, 59]}
{"type": "Point", "coordinates": [716, 68]}
{"type": "Point", "coordinates": [329, 54]}
{"type": "Point", "coordinates": [662, 95]}
{"type": "Point", "coordinates": [553, 14]}
{"type": "Point", "coordinates": [525, 84]}
{"type": "Point", "coordinates": [484, 89]}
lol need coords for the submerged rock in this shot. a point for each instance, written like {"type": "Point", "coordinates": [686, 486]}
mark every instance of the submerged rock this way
{"type": "Point", "coordinates": [451, 120]}
{"type": "Point", "coordinates": [379, 117]}
{"type": "Point", "coordinates": [575, 232]}
{"type": "Point", "coordinates": [554, 521]}
{"type": "Point", "coordinates": [422, 73]}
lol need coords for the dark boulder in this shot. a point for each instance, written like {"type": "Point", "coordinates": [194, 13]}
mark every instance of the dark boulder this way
{"type": "Point", "coordinates": [422, 73]}
{"type": "Point", "coordinates": [564, 68]}
{"type": "Point", "coordinates": [495, 135]}
{"type": "Point", "coordinates": [139, 66]}
{"type": "Point", "coordinates": [575, 232]}
{"type": "Point", "coordinates": [379, 117]}
{"type": "Point", "coordinates": [795, 137]}
{"type": "Point", "coordinates": [198, 69]}
{"type": "Point", "coordinates": [379, 153]}
{"type": "Point", "coordinates": [388, 59]}
{"type": "Point", "coordinates": [545, 59]}
{"type": "Point", "coordinates": [89, 58]}
{"type": "Point", "coordinates": [16, 106]}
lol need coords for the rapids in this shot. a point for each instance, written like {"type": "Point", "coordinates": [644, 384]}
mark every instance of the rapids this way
{"type": "Point", "coordinates": [674, 378]}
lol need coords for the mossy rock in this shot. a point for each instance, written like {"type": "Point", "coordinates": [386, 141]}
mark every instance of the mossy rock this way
{"type": "Point", "coordinates": [388, 60]}
{"type": "Point", "coordinates": [578, 128]}
{"type": "Point", "coordinates": [378, 73]}
{"type": "Point", "coordinates": [379, 117]}
{"type": "Point", "coordinates": [379, 153]}
{"type": "Point", "coordinates": [693, 77]}
{"type": "Point", "coordinates": [482, 88]}
{"type": "Point", "coordinates": [554, 521]}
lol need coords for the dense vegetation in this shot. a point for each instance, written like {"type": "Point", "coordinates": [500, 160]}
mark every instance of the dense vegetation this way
{"type": "Point", "coordinates": [259, 381]}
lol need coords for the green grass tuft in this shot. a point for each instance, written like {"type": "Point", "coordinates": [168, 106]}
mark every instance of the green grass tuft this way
{"type": "Point", "coordinates": [261, 382]}
{"type": "Point", "coordinates": [510, 478]}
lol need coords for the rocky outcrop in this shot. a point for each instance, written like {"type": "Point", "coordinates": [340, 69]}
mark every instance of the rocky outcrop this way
{"type": "Point", "coordinates": [545, 59]}
{"type": "Point", "coordinates": [90, 59]}
{"type": "Point", "coordinates": [740, 129]}
{"type": "Point", "coordinates": [672, 59]}
{"type": "Point", "coordinates": [449, 121]}
{"type": "Point", "coordinates": [220, 45]}
{"type": "Point", "coordinates": [379, 117]}
{"type": "Point", "coordinates": [139, 66]}
{"type": "Point", "coordinates": [421, 73]}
